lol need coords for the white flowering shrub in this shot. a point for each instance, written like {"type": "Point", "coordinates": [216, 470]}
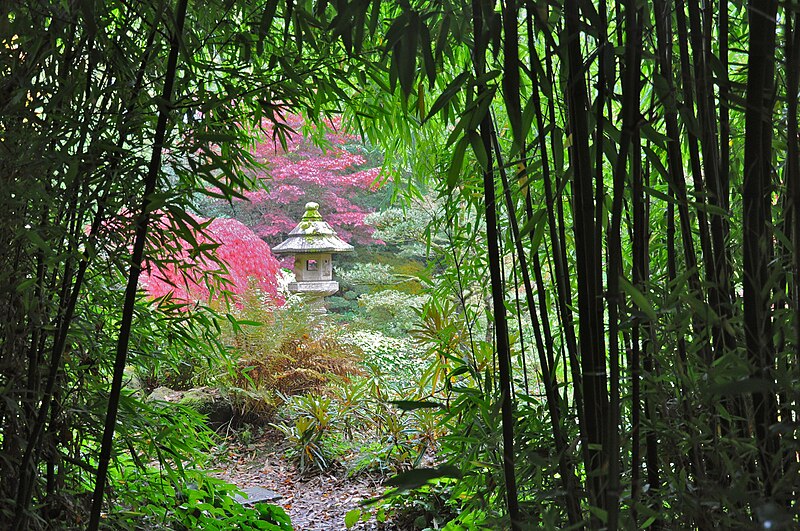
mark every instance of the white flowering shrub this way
{"type": "Point", "coordinates": [398, 359]}
{"type": "Point", "coordinates": [390, 311]}
{"type": "Point", "coordinates": [284, 278]}
{"type": "Point", "coordinates": [402, 226]}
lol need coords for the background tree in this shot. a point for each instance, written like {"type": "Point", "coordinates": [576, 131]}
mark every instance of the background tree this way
{"type": "Point", "coordinates": [239, 256]}
{"type": "Point", "coordinates": [306, 164]}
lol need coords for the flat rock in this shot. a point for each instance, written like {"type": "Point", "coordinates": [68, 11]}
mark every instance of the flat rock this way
{"type": "Point", "coordinates": [165, 394]}
{"type": "Point", "coordinates": [257, 495]}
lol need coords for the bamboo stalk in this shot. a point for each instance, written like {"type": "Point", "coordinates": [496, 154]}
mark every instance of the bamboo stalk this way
{"type": "Point", "coordinates": [497, 296]}
{"type": "Point", "coordinates": [137, 254]}
{"type": "Point", "coordinates": [591, 334]}
{"type": "Point", "coordinates": [756, 220]}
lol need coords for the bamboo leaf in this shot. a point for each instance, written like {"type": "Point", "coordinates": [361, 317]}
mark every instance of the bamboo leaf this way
{"type": "Point", "coordinates": [266, 21]}
{"type": "Point", "coordinates": [479, 149]}
{"type": "Point", "coordinates": [710, 209]}
{"type": "Point", "coordinates": [427, 54]}
{"type": "Point", "coordinates": [655, 160]}
{"type": "Point", "coordinates": [536, 223]}
{"type": "Point", "coordinates": [654, 136]}
{"type": "Point", "coordinates": [411, 405]}
{"type": "Point", "coordinates": [743, 386]}
{"type": "Point", "coordinates": [538, 235]}
{"type": "Point", "coordinates": [481, 108]}
{"type": "Point", "coordinates": [374, 17]}
{"type": "Point", "coordinates": [649, 190]}
{"type": "Point", "coordinates": [779, 234]}
{"type": "Point", "coordinates": [406, 60]}
{"type": "Point", "coordinates": [455, 164]}
{"type": "Point", "coordinates": [638, 298]}
{"type": "Point", "coordinates": [447, 94]}
{"type": "Point", "coordinates": [421, 476]}
{"type": "Point", "coordinates": [689, 120]}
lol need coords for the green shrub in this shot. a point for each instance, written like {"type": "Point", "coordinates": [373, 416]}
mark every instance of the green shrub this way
{"type": "Point", "coordinates": [397, 360]}
{"type": "Point", "coordinates": [311, 420]}
{"type": "Point", "coordinates": [390, 311]}
{"type": "Point", "coordinates": [154, 500]}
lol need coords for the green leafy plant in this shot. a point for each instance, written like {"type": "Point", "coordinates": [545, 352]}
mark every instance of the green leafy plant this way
{"type": "Point", "coordinates": [390, 311]}
{"type": "Point", "coordinates": [286, 349]}
{"type": "Point", "coordinates": [310, 421]}
{"type": "Point", "coordinates": [395, 361]}
{"type": "Point", "coordinates": [275, 352]}
{"type": "Point", "coordinates": [192, 501]}
{"type": "Point", "coordinates": [428, 507]}
{"type": "Point", "coordinates": [353, 405]}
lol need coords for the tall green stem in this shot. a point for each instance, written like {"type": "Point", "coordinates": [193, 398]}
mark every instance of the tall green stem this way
{"type": "Point", "coordinates": [142, 222]}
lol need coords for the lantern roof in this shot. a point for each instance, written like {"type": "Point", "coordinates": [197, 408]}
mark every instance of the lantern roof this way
{"type": "Point", "coordinates": [312, 235]}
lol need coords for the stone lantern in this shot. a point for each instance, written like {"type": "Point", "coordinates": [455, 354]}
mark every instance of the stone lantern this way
{"type": "Point", "coordinates": [312, 242]}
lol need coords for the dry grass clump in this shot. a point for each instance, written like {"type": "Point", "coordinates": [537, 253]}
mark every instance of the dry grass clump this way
{"type": "Point", "coordinates": [295, 366]}
{"type": "Point", "coordinates": [284, 351]}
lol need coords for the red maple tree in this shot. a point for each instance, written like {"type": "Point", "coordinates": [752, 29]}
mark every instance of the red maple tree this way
{"type": "Point", "coordinates": [337, 177]}
{"type": "Point", "coordinates": [247, 261]}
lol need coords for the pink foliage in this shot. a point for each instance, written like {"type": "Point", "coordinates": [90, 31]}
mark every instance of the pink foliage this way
{"type": "Point", "coordinates": [333, 177]}
{"type": "Point", "coordinates": [274, 223]}
{"type": "Point", "coordinates": [248, 259]}
{"type": "Point", "coordinates": [336, 177]}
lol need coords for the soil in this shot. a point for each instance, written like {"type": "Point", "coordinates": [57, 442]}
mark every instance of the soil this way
{"type": "Point", "coordinates": [314, 502]}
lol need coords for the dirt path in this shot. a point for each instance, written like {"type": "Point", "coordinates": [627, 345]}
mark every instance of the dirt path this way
{"type": "Point", "coordinates": [316, 503]}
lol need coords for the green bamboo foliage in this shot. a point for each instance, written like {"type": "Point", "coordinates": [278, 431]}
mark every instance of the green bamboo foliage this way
{"type": "Point", "coordinates": [142, 223]}
{"type": "Point", "coordinates": [653, 149]}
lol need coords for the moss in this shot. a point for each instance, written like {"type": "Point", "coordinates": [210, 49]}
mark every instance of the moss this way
{"type": "Point", "coordinates": [209, 402]}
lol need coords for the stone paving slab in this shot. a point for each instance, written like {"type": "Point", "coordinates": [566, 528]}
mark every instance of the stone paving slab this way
{"type": "Point", "coordinates": [257, 495]}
